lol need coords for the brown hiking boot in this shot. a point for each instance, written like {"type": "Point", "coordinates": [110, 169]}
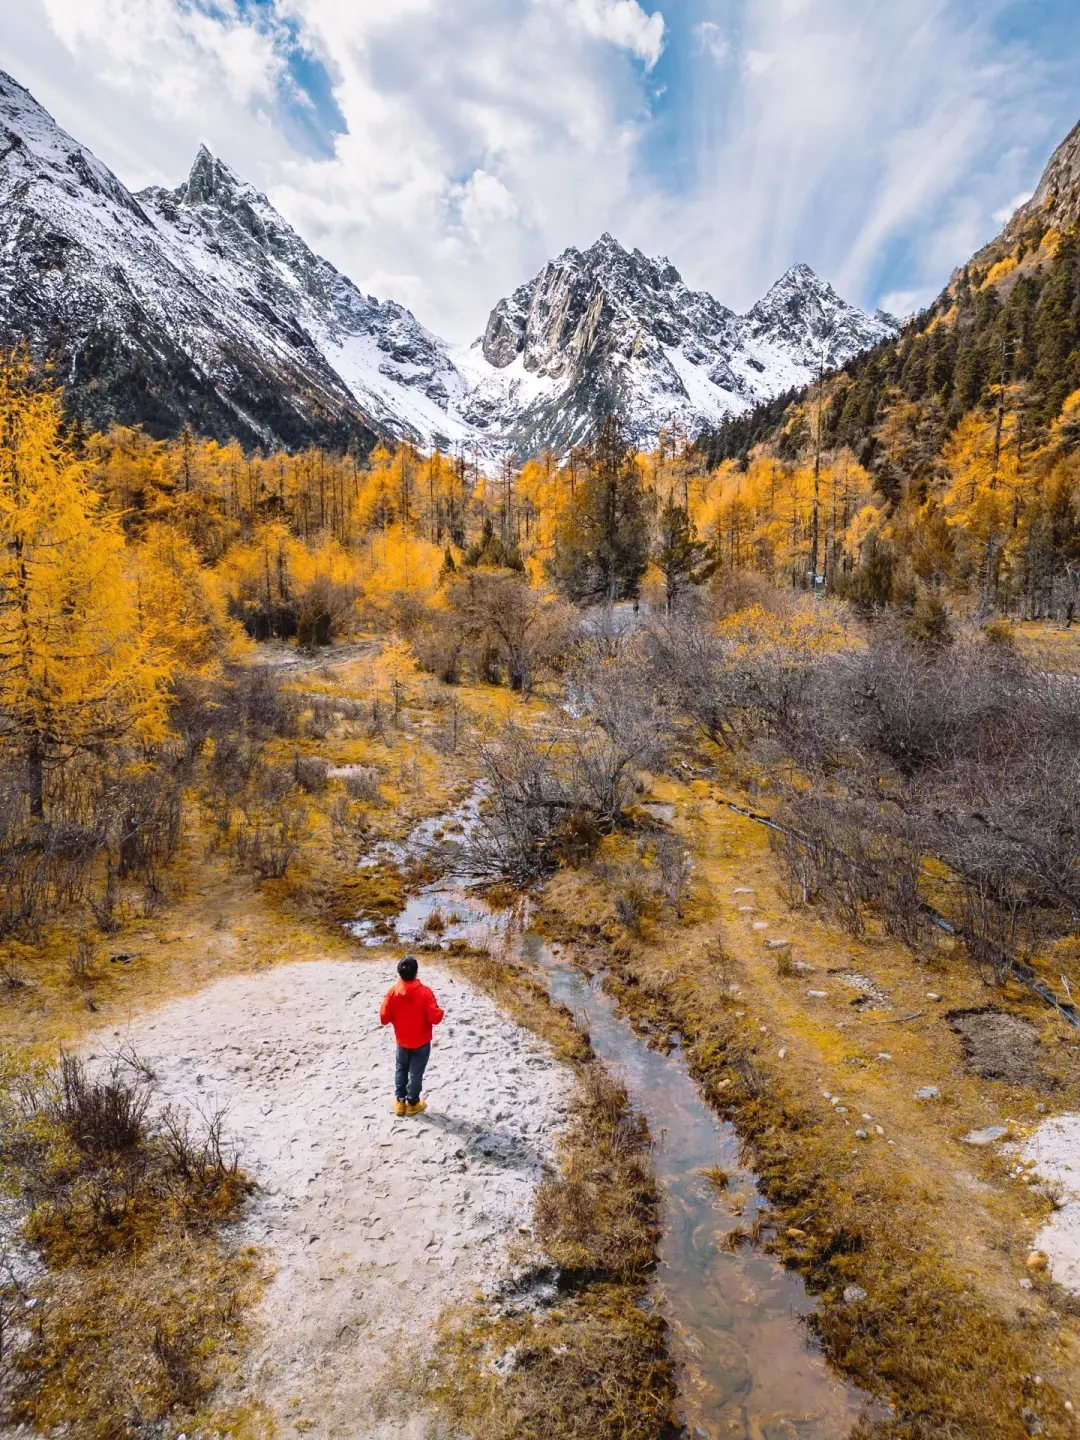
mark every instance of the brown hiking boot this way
{"type": "Point", "coordinates": [399, 1107]}
{"type": "Point", "coordinates": [416, 1109]}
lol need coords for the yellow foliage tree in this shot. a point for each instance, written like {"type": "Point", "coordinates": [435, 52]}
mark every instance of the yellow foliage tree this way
{"type": "Point", "coordinates": [182, 610]}
{"type": "Point", "coordinates": [76, 669]}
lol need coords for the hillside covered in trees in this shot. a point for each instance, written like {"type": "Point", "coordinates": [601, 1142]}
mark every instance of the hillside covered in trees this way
{"type": "Point", "coordinates": [965, 426]}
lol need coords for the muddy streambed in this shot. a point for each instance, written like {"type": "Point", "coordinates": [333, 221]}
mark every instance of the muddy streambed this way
{"type": "Point", "coordinates": [747, 1365]}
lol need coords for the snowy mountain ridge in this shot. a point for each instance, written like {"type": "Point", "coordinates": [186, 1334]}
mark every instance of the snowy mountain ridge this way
{"type": "Point", "coordinates": [202, 305]}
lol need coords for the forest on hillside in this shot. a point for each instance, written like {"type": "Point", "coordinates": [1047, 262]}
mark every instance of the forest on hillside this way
{"type": "Point", "coordinates": [965, 428]}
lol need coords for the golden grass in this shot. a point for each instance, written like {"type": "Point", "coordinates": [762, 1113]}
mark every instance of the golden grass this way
{"type": "Point", "coordinates": [115, 1348]}
{"type": "Point", "coordinates": [946, 1335]}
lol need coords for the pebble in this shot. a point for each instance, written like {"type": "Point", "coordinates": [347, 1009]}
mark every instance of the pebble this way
{"type": "Point", "coordinates": [932, 995]}
{"type": "Point", "coordinates": [884, 1055]}
{"type": "Point", "coordinates": [927, 1092]}
{"type": "Point", "coordinates": [860, 1135]}
{"type": "Point", "coordinates": [817, 994]}
{"type": "Point", "coordinates": [782, 1052]}
{"type": "Point", "coordinates": [1026, 1284]}
{"type": "Point", "coordinates": [776, 944]}
{"type": "Point", "coordinates": [760, 925]}
{"type": "Point", "coordinates": [878, 1130]}
{"type": "Point", "coordinates": [853, 1294]}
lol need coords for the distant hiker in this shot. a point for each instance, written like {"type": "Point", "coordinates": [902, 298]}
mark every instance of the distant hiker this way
{"type": "Point", "coordinates": [412, 1010]}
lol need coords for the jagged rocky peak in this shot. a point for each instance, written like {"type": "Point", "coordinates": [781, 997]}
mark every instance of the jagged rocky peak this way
{"type": "Point", "coordinates": [604, 296]}
{"type": "Point", "coordinates": [1056, 200]}
{"type": "Point", "coordinates": [805, 314]}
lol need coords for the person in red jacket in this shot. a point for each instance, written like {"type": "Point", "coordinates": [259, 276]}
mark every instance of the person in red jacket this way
{"type": "Point", "coordinates": [412, 1010]}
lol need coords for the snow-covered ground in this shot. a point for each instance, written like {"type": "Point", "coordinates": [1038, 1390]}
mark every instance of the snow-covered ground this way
{"type": "Point", "coordinates": [372, 1222]}
{"type": "Point", "coordinates": [1054, 1149]}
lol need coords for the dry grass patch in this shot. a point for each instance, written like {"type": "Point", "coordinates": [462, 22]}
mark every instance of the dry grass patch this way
{"type": "Point", "coordinates": [115, 1349]}
{"type": "Point", "coordinates": [594, 1367]}
{"type": "Point", "coordinates": [138, 1314]}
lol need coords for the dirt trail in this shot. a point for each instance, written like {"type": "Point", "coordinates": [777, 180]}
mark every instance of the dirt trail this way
{"type": "Point", "coordinates": [372, 1222]}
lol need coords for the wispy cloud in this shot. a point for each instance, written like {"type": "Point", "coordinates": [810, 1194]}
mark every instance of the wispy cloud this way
{"type": "Point", "coordinates": [711, 40]}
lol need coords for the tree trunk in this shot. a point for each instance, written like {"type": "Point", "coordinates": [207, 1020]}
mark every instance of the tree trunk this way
{"type": "Point", "coordinates": [35, 769]}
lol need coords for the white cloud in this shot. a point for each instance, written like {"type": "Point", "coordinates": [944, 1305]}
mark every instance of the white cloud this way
{"type": "Point", "coordinates": [851, 138]}
{"type": "Point", "coordinates": [903, 303]}
{"type": "Point", "coordinates": [711, 39]}
{"type": "Point", "coordinates": [623, 23]}
{"type": "Point", "coordinates": [1005, 214]}
{"type": "Point", "coordinates": [485, 201]}
{"type": "Point", "coordinates": [759, 62]}
{"type": "Point", "coordinates": [484, 136]}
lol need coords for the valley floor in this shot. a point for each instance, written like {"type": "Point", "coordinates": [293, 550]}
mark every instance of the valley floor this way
{"type": "Point", "coordinates": [371, 1223]}
{"type": "Point", "coordinates": [851, 1071]}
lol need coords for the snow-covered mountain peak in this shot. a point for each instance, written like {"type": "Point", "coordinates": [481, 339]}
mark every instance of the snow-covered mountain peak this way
{"type": "Point", "coordinates": [803, 313]}
{"type": "Point", "coordinates": [610, 328]}
{"type": "Point", "coordinates": [202, 304]}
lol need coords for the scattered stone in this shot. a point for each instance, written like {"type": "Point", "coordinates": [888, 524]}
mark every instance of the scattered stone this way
{"type": "Point", "coordinates": [760, 925]}
{"type": "Point", "coordinates": [802, 967]}
{"type": "Point", "coordinates": [747, 909]}
{"type": "Point", "coordinates": [884, 1055]}
{"type": "Point", "coordinates": [1041, 1108]}
{"type": "Point", "coordinates": [776, 944]}
{"type": "Point", "coordinates": [860, 1135]}
{"type": "Point", "coordinates": [1026, 1284]}
{"type": "Point", "coordinates": [927, 1092]}
{"type": "Point", "coordinates": [854, 1294]}
{"type": "Point", "coordinates": [878, 1130]}
{"type": "Point", "coordinates": [817, 994]}
{"type": "Point", "coordinates": [932, 995]}
{"type": "Point", "coordinates": [743, 890]}
{"type": "Point", "coordinates": [123, 957]}
{"type": "Point", "coordinates": [1032, 1424]}
{"type": "Point", "coordinates": [782, 1052]}
{"type": "Point", "coordinates": [986, 1136]}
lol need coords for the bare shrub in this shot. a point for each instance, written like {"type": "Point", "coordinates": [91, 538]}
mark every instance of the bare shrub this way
{"type": "Point", "coordinates": [82, 959]}
{"type": "Point", "coordinates": [676, 869]}
{"type": "Point", "coordinates": [321, 716]}
{"type": "Point", "coordinates": [310, 773]}
{"type": "Point", "coordinates": [362, 783]}
{"type": "Point", "coordinates": [270, 833]}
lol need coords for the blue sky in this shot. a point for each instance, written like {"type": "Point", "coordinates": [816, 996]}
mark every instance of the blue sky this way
{"type": "Point", "coordinates": [439, 151]}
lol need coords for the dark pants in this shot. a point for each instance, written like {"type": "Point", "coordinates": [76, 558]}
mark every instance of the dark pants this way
{"type": "Point", "coordinates": [409, 1072]}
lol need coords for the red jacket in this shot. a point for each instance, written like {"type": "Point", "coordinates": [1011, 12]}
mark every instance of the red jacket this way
{"type": "Point", "coordinates": [412, 1010]}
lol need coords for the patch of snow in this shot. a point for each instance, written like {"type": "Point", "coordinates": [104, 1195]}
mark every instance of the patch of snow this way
{"type": "Point", "coordinates": [1054, 1151]}
{"type": "Point", "coordinates": [372, 1222]}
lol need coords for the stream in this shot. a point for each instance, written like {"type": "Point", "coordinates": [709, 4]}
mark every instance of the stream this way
{"type": "Point", "coordinates": [747, 1367]}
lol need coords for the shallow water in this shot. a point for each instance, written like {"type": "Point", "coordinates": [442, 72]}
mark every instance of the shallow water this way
{"type": "Point", "coordinates": [747, 1366]}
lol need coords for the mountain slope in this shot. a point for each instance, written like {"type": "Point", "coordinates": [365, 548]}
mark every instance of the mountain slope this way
{"type": "Point", "coordinates": [1011, 314]}
{"type": "Point", "coordinates": [201, 305]}
{"type": "Point", "coordinates": [609, 329]}
{"type": "Point", "coordinates": [198, 305]}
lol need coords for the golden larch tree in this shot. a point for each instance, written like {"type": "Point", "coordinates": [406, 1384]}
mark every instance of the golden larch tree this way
{"type": "Point", "coordinates": [77, 671]}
